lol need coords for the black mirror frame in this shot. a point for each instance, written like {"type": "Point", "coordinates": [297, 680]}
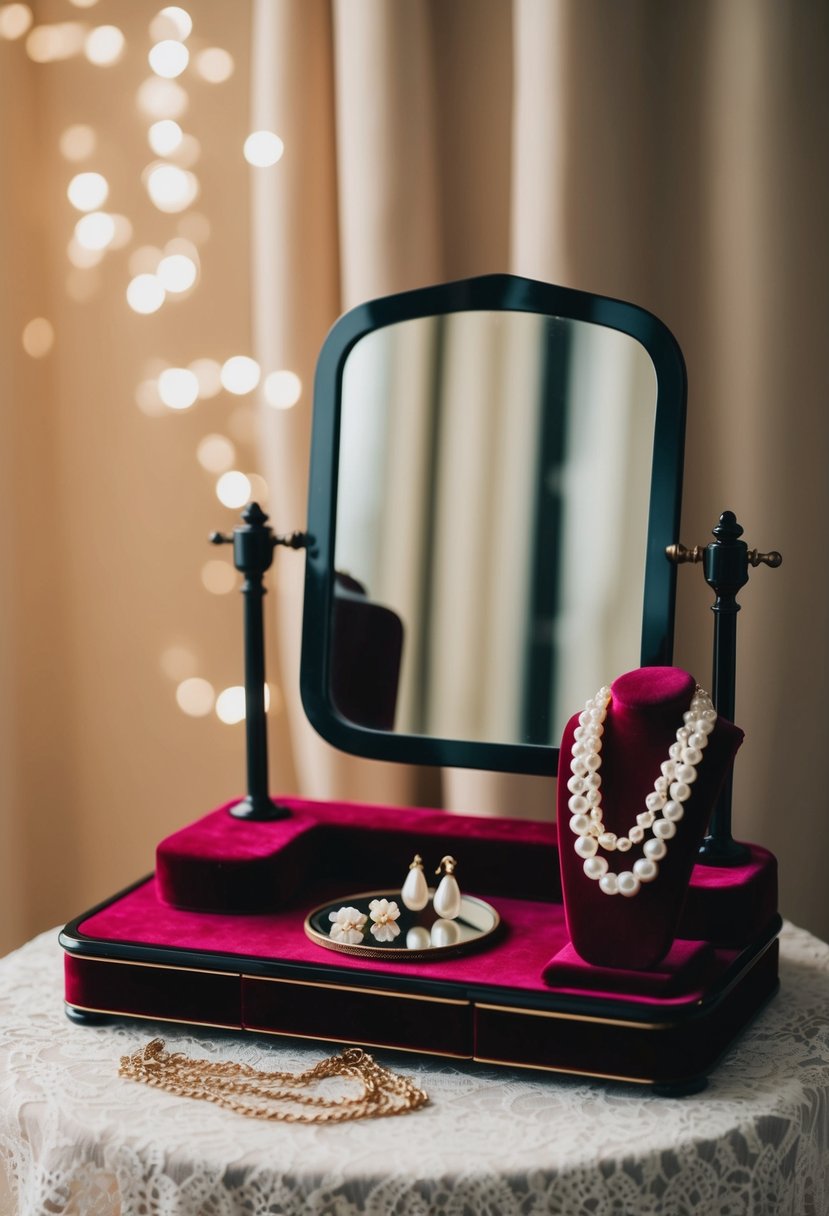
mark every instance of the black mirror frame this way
{"type": "Point", "coordinates": [496, 292]}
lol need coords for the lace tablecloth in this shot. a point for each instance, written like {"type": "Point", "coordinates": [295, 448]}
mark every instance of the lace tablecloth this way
{"type": "Point", "coordinates": [77, 1139]}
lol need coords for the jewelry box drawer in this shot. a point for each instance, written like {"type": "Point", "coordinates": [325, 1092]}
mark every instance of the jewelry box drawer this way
{"type": "Point", "coordinates": [371, 1017]}
{"type": "Point", "coordinates": [148, 990]}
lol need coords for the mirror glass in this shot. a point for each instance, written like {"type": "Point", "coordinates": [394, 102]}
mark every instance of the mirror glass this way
{"type": "Point", "coordinates": [493, 495]}
{"type": "Point", "coordinates": [495, 474]}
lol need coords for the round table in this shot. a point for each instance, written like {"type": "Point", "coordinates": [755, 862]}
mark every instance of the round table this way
{"type": "Point", "coordinates": [77, 1139]}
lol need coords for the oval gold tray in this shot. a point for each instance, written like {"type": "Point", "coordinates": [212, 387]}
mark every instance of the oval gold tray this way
{"type": "Point", "coordinates": [423, 935]}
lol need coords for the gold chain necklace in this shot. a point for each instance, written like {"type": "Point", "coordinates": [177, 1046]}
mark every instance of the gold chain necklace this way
{"type": "Point", "coordinates": [248, 1091]}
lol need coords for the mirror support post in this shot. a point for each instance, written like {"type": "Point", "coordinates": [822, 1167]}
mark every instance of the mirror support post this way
{"type": "Point", "coordinates": [253, 545]}
{"type": "Point", "coordinates": [725, 564]}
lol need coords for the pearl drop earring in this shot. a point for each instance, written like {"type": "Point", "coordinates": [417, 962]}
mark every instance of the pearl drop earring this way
{"type": "Point", "coordinates": [447, 900]}
{"type": "Point", "coordinates": [415, 892]}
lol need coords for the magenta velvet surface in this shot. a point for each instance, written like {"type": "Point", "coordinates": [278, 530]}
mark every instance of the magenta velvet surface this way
{"type": "Point", "coordinates": [643, 716]}
{"type": "Point", "coordinates": [533, 934]}
{"type": "Point", "coordinates": [685, 968]}
{"type": "Point", "coordinates": [222, 864]}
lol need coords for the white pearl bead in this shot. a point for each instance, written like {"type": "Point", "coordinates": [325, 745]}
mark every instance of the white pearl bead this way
{"type": "Point", "coordinates": [578, 804]}
{"type": "Point", "coordinates": [709, 715]}
{"type": "Point", "coordinates": [654, 801]}
{"type": "Point", "coordinates": [415, 892]}
{"type": "Point", "coordinates": [673, 811]}
{"type": "Point", "coordinates": [698, 741]}
{"type": "Point", "coordinates": [592, 762]}
{"type": "Point", "coordinates": [660, 785]}
{"type": "Point", "coordinates": [596, 827]}
{"type": "Point", "coordinates": [586, 846]}
{"type": "Point", "coordinates": [596, 813]}
{"type": "Point", "coordinates": [609, 883]}
{"type": "Point", "coordinates": [584, 717]}
{"type": "Point", "coordinates": [655, 849]}
{"type": "Point", "coordinates": [680, 792]}
{"type": "Point", "coordinates": [683, 733]}
{"type": "Point", "coordinates": [645, 819]}
{"type": "Point", "coordinates": [668, 768]}
{"type": "Point", "coordinates": [576, 785]}
{"type": "Point", "coordinates": [645, 869]}
{"type": "Point", "coordinates": [689, 715]}
{"type": "Point", "coordinates": [664, 829]}
{"type": "Point", "coordinates": [595, 867]}
{"type": "Point", "coordinates": [686, 773]}
{"type": "Point", "coordinates": [636, 834]}
{"type": "Point", "coordinates": [447, 899]}
{"type": "Point", "coordinates": [593, 797]}
{"type": "Point", "coordinates": [692, 755]}
{"type": "Point", "coordinates": [623, 844]}
{"type": "Point", "coordinates": [628, 883]}
{"type": "Point", "coordinates": [704, 726]}
{"type": "Point", "coordinates": [608, 840]}
{"type": "Point", "coordinates": [581, 748]}
{"type": "Point", "coordinates": [675, 751]}
{"type": "Point", "coordinates": [593, 781]}
{"type": "Point", "coordinates": [580, 824]}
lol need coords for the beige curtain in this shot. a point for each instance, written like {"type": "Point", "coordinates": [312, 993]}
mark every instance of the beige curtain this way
{"type": "Point", "coordinates": [666, 153]}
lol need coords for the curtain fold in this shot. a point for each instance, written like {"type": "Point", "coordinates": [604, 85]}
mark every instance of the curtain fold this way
{"type": "Point", "coordinates": [665, 153]}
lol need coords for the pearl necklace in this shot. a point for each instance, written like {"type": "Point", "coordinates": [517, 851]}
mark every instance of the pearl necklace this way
{"type": "Point", "coordinates": [663, 806]}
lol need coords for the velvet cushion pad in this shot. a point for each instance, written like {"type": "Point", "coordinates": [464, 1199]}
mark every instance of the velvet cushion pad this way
{"type": "Point", "coordinates": [222, 864]}
{"type": "Point", "coordinates": [533, 933]}
{"type": "Point", "coordinates": [643, 715]}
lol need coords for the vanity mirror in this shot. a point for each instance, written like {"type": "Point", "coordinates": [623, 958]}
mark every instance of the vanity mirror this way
{"type": "Point", "coordinates": [495, 475]}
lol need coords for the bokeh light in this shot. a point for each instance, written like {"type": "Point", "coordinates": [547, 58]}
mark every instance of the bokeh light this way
{"type": "Point", "coordinates": [78, 142]}
{"type": "Point", "coordinates": [170, 188]}
{"type": "Point", "coordinates": [195, 697]}
{"type": "Point", "coordinates": [164, 136]}
{"type": "Point", "coordinates": [148, 400]}
{"type": "Point", "coordinates": [38, 337]}
{"type": "Point", "coordinates": [240, 374]}
{"type": "Point", "coordinates": [259, 491]}
{"type": "Point", "coordinates": [208, 372]}
{"type": "Point", "coordinates": [88, 191]}
{"type": "Point", "coordinates": [177, 273]}
{"type": "Point", "coordinates": [230, 704]}
{"type": "Point", "coordinates": [178, 388]}
{"type": "Point", "coordinates": [95, 230]}
{"type": "Point", "coordinates": [159, 98]}
{"type": "Point", "coordinates": [178, 662]}
{"type": "Point", "coordinates": [214, 64]}
{"type": "Point", "coordinates": [145, 259]}
{"type": "Point", "coordinates": [81, 256]}
{"type": "Point", "coordinates": [104, 45]}
{"type": "Point", "coordinates": [263, 148]}
{"type": "Point", "coordinates": [145, 294]}
{"type": "Point", "coordinates": [15, 20]}
{"type": "Point", "coordinates": [48, 43]}
{"type": "Point", "coordinates": [218, 577]}
{"type": "Point", "coordinates": [233, 489]}
{"type": "Point", "coordinates": [195, 227]}
{"type": "Point", "coordinates": [123, 231]}
{"type": "Point", "coordinates": [169, 58]}
{"type": "Point", "coordinates": [215, 453]}
{"type": "Point", "coordinates": [171, 22]}
{"type": "Point", "coordinates": [84, 3]}
{"type": "Point", "coordinates": [282, 389]}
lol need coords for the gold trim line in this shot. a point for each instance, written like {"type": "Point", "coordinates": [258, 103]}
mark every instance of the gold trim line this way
{"type": "Point", "coordinates": [574, 1072]}
{"type": "Point", "coordinates": [154, 1017]}
{"type": "Point", "coordinates": [327, 1038]}
{"type": "Point", "coordinates": [400, 996]}
{"type": "Point", "coordinates": [129, 962]}
{"type": "Point", "coordinates": [577, 1017]}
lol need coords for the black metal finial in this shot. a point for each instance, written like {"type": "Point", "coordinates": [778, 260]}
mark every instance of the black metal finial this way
{"type": "Point", "coordinates": [253, 545]}
{"type": "Point", "coordinates": [725, 564]}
